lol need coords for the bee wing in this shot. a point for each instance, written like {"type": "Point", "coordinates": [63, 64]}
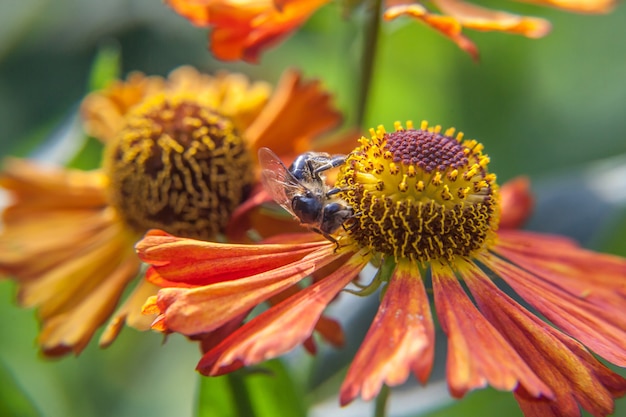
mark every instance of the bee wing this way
{"type": "Point", "coordinates": [277, 180]}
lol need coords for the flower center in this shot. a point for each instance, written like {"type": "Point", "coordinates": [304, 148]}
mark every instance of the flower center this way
{"type": "Point", "coordinates": [178, 166]}
{"type": "Point", "coordinates": [420, 194]}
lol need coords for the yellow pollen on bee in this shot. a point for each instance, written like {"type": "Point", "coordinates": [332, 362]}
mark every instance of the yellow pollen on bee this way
{"type": "Point", "coordinates": [433, 199]}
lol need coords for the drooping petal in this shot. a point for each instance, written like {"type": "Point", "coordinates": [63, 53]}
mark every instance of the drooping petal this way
{"type": "Point", "coordinates": [477, 353]}
{"type": "Point", "coordinates": [579, 6]}
{"type": "Point", "coordinates": [282, 327]}
{"type": "Point", "coordinates": [68, 252]}
{"type": "Point", "coordinates": [203, 309]}
{"type": "Point", "coordinates": [297, 112]}
{"type": "Point", "coordinates": [591, 313]}
{"type": "Point", "coordinates": [580, 291]}
{"type": "Point", "coordinates": [401, 339]}
{"type": "Point", "coordinates": [130, 313]}
{"type": "Point", "coordinates": [328, 328]}
{"type": "Point", "coordinates": [448, 26]}
{"type": "Point", "coordinates": [181, 262]}
{"type": "Point", "coordinates": [71, 331]}
{"type": "Point", "coordinates": [516, 203]}
{"type": "Point", "coordinates": [566, 263]}
{"type": "Point", "coordinates": [572, 373]}
{"type": "Point", "coordinates": [480, 18]}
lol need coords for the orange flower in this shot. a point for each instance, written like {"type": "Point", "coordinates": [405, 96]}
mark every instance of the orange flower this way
{"type": "Point", "coordinates": [178, 156]}
{"type": "Point", "coordinates": [242, 29]}
{"type": "Point", "coordinates": [427, 212]}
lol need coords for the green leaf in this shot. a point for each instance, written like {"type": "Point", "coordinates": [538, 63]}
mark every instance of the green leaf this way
{"type": "Point", "coordinates": [13, 401]}
{"type": "Point", "coordinates": [105, 67]}
{"type": "Point", "coordinates": [89, 156]}
{"type": "Point", "coordinates": [267, 391]}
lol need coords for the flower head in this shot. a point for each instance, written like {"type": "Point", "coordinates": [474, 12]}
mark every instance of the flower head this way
{"type": "Point", "coordinates": [427, 211]}
{"type": "Point", "coordinates": [178, 156]}
{"type": "Point", "coordinates": [242, 29]}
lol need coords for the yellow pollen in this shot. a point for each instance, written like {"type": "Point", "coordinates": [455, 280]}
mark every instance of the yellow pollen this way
{"type": "Point", "coordinates": [420, 194]}
{"type": "Point", "coordinates": [178, 166]}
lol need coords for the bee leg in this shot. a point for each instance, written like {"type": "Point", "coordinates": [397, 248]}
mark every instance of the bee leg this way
{"type": "Point", "coordinates": [336, 190]}
{"type": "Point", "coordinates": [327, 236]}
{"type": "Point", "coordinates": [331, 162]}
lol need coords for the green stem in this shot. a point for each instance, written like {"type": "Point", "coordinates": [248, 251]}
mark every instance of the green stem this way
{"type": "Point", "coordinates": [381, 402]}
{"type": "Point", "coordinates": [368, 57]}
{"type": "Point", "coordinates": [241, 396]}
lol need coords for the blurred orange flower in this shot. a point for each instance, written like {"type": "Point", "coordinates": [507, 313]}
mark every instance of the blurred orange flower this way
{"type": "Point", "coordinates": [242, 29]}
{"type": "Point", "coordinates": [179, 155]}
{"type": "Point", "coordinates": [427, 213]}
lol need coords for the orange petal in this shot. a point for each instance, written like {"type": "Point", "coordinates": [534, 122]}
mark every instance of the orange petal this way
{"type": "Point", "coordinates": [516, 203]}
{"type": "Point", "coordinates": [447, 25]}
{"type": "Point", "coordinates": [36, 188]}
{"type": "Point", "coordinates": [103, 111]}
{"type": "Point", "coordinates": [242, 30]}
{"type": "Point", "coordinates": [297, 112]}
{"type": "Point", "coordinates": [480, 18]}
{"type": "Point", "coordinates": [579, 6]}
{"type": "Point", "coordinates": [401, 339]}
{"type": "Point", "coordinates": [204, 309]}
{"type": "Point", "coordinates": [280, 328]}
{"type": "Point", "coordinates": [72, 329]}
{"type": "Point", "coordinates": [577, 267]}
{"type": "Point", "coordinates": [591, 313]}
{"type": "Point", "coordinates": [69, 253]}
{"type": "Point", "coordinates": [187, 262]}
{"type": "Point", "coordinates": [572, 373]}
{"type": "Point", "coordinates": [130, 313]}
{"type": "Point", "coordinates": [477, 353]}
{"type": "Point", "coordinates": [328, 328]}
{"type": "Point", "coordinates": [196, 11]}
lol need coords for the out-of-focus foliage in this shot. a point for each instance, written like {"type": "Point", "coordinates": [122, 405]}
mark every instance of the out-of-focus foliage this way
{"type": "Point", "coordinates": [546, 108]}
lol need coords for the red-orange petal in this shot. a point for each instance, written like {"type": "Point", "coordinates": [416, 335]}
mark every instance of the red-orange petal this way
{"type": "Point", "coordinates": [282, 327]}
{"type": "Point", "coordinates": [196, 11]}
{"type": "Point", "coordinates": [203, 309]}
{"type": "Point", "coordinates": [448, 26]}
{"type": "Point", "coordinates": [572, 373]}
{"type": "Point", "coordinates": [181, 262]}
{"type": "Point", "coordinates": [477, 353]}
{"type": "Point", "coordinates": [516, 203]}
{"type": "Point", "coordinates": [297, 112]}
{"type": "Point", "coordinates": [475, 17]}
{"type": "Point", "coordinates": [242, 30]}
{"type": "Point", "coordinates": [591, 313]}
{"type": "Point", "coordinates": [401, 339]}
{"type": "Point", "coordinates": [579, 6]}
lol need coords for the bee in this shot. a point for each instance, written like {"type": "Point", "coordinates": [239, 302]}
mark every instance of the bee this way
{"type": "Point", "coordinates": [301, 189]}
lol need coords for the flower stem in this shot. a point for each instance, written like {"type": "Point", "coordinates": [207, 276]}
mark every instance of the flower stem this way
{"type": "Point", "coordinates": [241, 395]}
{"type": "Point", "coordinates": [380, 409]}
{"type": "Point", "coordinates": [373, 16]}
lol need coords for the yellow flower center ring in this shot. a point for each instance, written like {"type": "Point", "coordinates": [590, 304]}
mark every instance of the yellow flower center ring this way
{"type": "Point", "coordinates": [179, 166]}
{"type": "Point", "coordinates": [420, 194]}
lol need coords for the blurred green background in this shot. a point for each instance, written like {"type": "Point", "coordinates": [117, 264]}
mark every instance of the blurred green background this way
{"type": "Point", "coordinates": [553, 109]}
